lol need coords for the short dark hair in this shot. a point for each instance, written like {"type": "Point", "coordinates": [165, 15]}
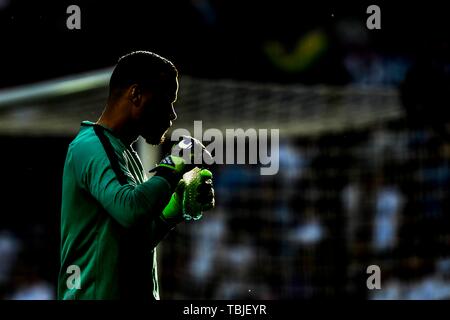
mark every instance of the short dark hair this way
{"type": "Point", "coordinates": [144, 68]}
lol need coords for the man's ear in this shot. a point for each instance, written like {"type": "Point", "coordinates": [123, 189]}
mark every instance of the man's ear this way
{"type": "Point", "coordinates": [134, 94]}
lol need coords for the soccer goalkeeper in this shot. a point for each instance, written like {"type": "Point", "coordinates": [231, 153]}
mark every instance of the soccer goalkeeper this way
{"type": "Point", "coordinates": [112, 217]}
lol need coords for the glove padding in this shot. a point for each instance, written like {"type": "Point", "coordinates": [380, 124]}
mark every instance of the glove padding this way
{"type": "Point", "coordinates": [193, 195]}
{"type": "Point", "coordinates": [198, 194]}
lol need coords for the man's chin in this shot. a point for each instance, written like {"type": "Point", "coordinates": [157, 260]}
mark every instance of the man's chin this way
{"type": "Point", "coordinates": [156, 140]}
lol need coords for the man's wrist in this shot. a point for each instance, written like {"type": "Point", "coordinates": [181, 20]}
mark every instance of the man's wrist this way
{"type": "Point", "coordinates": [172, 213]}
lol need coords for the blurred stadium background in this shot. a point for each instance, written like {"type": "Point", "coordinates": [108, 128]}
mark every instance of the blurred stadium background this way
{"type": "Point", "coordinates": [364, 146]}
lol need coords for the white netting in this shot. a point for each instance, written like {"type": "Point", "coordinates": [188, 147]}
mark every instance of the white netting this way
{"type": "Point", "coordinates": [58, 107]}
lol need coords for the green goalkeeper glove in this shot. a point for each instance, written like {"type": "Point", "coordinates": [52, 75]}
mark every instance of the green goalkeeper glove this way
{"type": "Point", "coordinates": [193, 195]}
{"type": "Point", "coordinates": [172, 213]}
{"type": "Point", "coordinates": [173, 166]}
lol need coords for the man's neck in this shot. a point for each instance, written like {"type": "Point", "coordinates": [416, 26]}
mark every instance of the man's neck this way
{"type": "Point", "coordinates": [119, 126]}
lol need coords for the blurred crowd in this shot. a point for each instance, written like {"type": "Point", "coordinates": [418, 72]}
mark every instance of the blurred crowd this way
{"type": "Point", "coordinates": [340, 203]}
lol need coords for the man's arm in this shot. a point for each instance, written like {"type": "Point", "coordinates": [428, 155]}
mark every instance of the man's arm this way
{"type": "Point", "coordinates": [127, 203]}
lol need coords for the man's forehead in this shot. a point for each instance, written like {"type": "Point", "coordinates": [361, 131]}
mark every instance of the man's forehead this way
{"type": "Point", "coordinates": [167, 88]}
{"type": "Point", "coordinates": [172, 89]}
{"type": "Point", "coordinates": [171, 82]}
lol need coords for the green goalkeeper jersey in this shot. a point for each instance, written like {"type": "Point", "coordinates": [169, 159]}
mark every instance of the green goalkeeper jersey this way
{"type": "Point", "coordinates": [110, 220]}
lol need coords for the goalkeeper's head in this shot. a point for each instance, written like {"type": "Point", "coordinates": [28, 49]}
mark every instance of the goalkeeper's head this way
{"type": "Point", "coordinates": [142, 90]}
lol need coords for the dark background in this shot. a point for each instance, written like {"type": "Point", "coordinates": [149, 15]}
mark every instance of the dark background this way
{"type": "Point", "coordinates": [225, 40]}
